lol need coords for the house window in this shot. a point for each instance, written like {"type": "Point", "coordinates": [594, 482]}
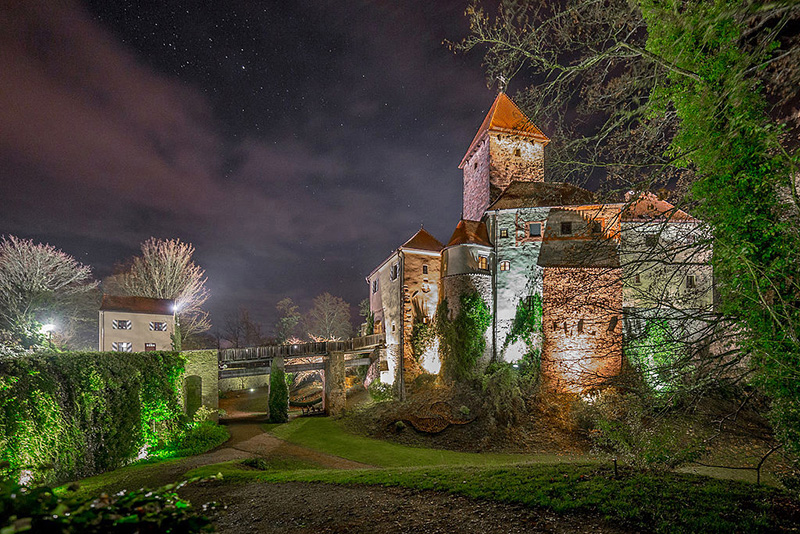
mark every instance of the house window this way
{"type": "Point", "coordinates": [503, 232]}
{"type": "Point", "coordinates": [394, 326]}
{"type": "Point", "coordinates": [122, 346]}
{"type": "Point", "coordinates": [566, 228]}
{"type": "Point", "coordinates": [691, 281]}
{"type": "Point", "coordinates": [595, 227]}
{"type": "Point", "coordinates": [505, 265]}
{"type": "Point", "coordinates": [395, 271]}
{"type": "Point", "coordinates": [517, 153]}
{"type": "Point", "coordinates": [157, 326]}
{"type": "Point", "coordinates": [637, 279]}
{"type": "Point", "coordinates": [651, 240]}
{"type": "Point", "coordinates": [424, 269]}
{"type": "Point", "coordinates": [121, 324]}
{"type": "Point", "coordinates": [535, 229]}
{"type": "Point", "coordinates": [483, 263]}
{"type": "Point", "coordinates": [149, 347]}
{"type": "Point", "coordinates": [375, 286]}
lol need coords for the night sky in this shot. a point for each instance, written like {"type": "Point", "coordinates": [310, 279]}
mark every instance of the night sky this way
{"type": "Point", "coordinates": [295, 144]}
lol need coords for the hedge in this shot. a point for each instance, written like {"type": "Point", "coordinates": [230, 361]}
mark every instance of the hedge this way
{"type": "Point", "coordinates": [70, 415]}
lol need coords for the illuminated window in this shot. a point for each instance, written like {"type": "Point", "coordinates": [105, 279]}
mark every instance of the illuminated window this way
{"type": "Point", "coordinates": [375, 286]}
{"type": "Point", "coordinates": [651, 240]}
{"type": "Point", "coordinates": [483, 263]}
{"type": "Point", "coordinates": [505, 265]}
{"type": "Point", "coordinates": [122, 346]}
{"type": "Point", "coordinates": [566, 228]}
{"type": "Point", "coordinates": [691, 281]}
{"type": "Point", "coordinates": [121, 324]}
{"type": "Point", "coordinates": [424, 269]}
{"type": "Point", "coordinates": [517, 153]}
{"type": "Point", "coordinates": [149, 347]}
{"type": "Point", "coordinates": [503, 232]}
{"type": "Point", "coordinates": [535, 229]}
{"type": "Point", "coordinates": [157, 326]}
{"type": "Point", "coordinates": [612, 324]}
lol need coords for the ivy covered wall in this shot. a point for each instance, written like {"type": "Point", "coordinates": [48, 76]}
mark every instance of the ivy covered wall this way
{"type": "Point", "coordinates": [71, 415]}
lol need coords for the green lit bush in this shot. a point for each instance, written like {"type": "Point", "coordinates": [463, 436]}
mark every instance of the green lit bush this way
{"type": "Point", "coordinates": [25, 509]}
{"type": "Point", "coordinates": [462, 340]}
{"type": "Point", "coordinates": [198, 439]}
{"type": "Point", "coordinates": [278, 396]}
{"type": "Point", "coordinates": [71, 415]}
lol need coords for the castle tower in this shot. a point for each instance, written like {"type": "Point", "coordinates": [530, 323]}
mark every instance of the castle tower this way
{"type": "Point", "coordinates": [508, 146]}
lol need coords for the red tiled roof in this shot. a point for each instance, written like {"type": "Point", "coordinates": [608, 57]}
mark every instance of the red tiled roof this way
{"type": "Point", "coordinates": [423, 240]}
{"type": "Point", "coordinates": [540, 195]}
{"type": "Point", "coordinates": [648, 207]}
{"type": "Point", "coordinates": [505, 116]}
{"type": "Point", "coordinates": [470, 232]}
{"type": "Point", "coordinates": [137, 305]}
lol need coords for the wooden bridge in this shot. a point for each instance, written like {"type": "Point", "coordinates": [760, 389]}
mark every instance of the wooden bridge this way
{"type": "Point", "coordinates": [253, 361]}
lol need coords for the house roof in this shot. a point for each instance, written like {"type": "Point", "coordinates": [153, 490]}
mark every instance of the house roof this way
{"type": "Point", "coordinates": [505, 116]}
{"type": "Point", "coordinates": [541, 194]}
{"type": "Point", "coordinates": [470, 232]}
{"type": "Point", "coordinates": [137, 305]}
{"type": "Point", "coordinates": [579, 251]}
{"type": "Point", "coordinates": [423, 240]}
{"type": "Point", "coordinates": [648, 206]}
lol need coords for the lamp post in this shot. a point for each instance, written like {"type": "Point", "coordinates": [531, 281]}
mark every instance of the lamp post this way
{"type": "Point", "coordinates": [48, 329]}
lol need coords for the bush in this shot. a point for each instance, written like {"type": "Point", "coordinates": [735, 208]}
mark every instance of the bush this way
{"type": "Point", "coordinates": [198, 439]}
{"type": "Point", "coordinates": [40, 510]}
{"type": "Point", "coordinates": [278, 396]}
{"type": "Point", "coordinates": [379, 391]}
{"type": "Point", "coordinates": [504, 391]}
{"type": "Point", "coordinates": [72, 415]}
{"type": "Point", "coordinates": [462, 340]}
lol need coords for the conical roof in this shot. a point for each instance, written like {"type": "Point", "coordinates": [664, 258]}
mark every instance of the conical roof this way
{"type": "Point", "coordinates": [423, 240]}
{"type": "Point", "coordinates": [470, 232]}
{"type": "Point", "coordinates": [505, 116]}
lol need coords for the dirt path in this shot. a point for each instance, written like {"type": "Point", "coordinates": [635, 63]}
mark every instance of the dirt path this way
{"type": "Point", "coordinates": [301, 508]}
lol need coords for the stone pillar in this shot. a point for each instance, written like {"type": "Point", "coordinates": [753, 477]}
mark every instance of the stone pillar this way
{"type": "Point", "coordinates": [335, 395]}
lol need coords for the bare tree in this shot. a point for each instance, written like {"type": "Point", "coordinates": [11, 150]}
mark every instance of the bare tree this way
{"type": "Point", "coordinates": [288, 321]}
{"type": "Point", "coordinates": [241, 331]}
{"type": "Point", "coordinates": [38, 284]}
{"type": "Point", "coordinates": [165, 270]}
{"type": "Point", "coordinates": [329, 319]}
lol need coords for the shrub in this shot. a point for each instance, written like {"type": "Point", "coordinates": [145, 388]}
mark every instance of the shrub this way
{"type": "Point", "coordinates": [40, 510]}
{"type": "Point", "coordinates": [278, 396]}
{"type": "Point", "coordinates": [71, 415]}
{"type": "Point", "coordinates": [504, 391]}
{"type": "Point", "coordinates": [197, 439]}
{"type": "Point", "coordinates": [462, 341]}
{"type": "Point", "coordinates": [379, 391]}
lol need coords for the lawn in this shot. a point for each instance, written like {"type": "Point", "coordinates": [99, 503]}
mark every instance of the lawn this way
{"type": "Point", "coordinates": [327, 435]}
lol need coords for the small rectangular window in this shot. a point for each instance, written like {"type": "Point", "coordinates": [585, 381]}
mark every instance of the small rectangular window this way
{"type": "Point", "coordinates": [424, 269]}
{"type": "Point", "coordinates": [395, 271]}
{"type": "Point", "coordinates": [595, 228]}
{"type": "Point", "coordinates": [149, 347]}
{"type": "Point", "coordinates": [122, 346]}
{"type": "Point", "coordinates": [651, 240]}
{"type": "Point", "coordinates": [535, 229]}
{"type": "Point", "coordinates": [157, 326]}
{"type": "Point", "coordinates": [691, 281]}
{"type": "Point", "coordinates": [121, 324]}
{"type": "Point", "coordinates": [505, 265]}
{"type": "Point", "coordinates": [517, 152]}
{"type": "Point", "coordinates": [566, 228]}
{"type": "Point", "coordinates": [503, 232]}
{"type": "Point", "coordinates": [483, 263]}
{"type": "Point", "coordinates": [375, 286]}
{"type": "Point", "coordinates": [637, 279]}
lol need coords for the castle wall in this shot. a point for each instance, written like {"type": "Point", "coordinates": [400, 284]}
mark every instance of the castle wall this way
{"type": "Point", "coordinates": [387, 305]}
{"type": "Point", "coordinates": [582, 316]}
{"type": "Point", "coordinates": [421, 298]}
{"type": "Point", "coordinates": [456, 285]}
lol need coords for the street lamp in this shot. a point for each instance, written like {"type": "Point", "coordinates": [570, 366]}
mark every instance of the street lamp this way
{"type": "Point", "coordinates": [48, 329]}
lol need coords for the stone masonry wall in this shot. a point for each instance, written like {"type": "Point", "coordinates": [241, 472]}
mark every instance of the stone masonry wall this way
{"type": "Point", "coordinates": [582, 316]}
{"type": "Point", "coordinates": [476, 184]}
{"type": "Point", "coordinates": [514, 158]}
{"type": "Point", "coordinates": [455, 286]}
{"type": "Point", "coordinates": [205, 364]}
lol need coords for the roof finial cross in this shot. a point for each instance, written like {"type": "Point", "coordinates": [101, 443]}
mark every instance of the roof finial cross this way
{"type": "Point", "coordinates": [502, 83]}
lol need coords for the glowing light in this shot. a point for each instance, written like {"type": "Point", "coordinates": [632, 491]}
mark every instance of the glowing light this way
{"type": "Point", "coordinates": [25, 477]}
{"type": "Point", "coordinates": [252, 390]}
{"type": "Point", "coordinates": [142, 453]}
{"type": "Point", "coordinates": [47, 328]}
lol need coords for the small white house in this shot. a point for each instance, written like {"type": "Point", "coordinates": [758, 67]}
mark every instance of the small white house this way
{"type": "Point", "coordinates": [136, 324]}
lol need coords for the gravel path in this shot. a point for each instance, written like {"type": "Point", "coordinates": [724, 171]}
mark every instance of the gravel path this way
{"type": "Point", "coordinates": [323, 508]}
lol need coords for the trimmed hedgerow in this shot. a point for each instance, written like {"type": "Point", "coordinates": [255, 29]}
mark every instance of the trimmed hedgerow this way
{"type": "Point", "coordinates": [75, 414]}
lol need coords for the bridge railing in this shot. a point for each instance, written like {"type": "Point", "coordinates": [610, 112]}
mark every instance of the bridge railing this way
{"type": "Point", "coordinates": [299, 350]}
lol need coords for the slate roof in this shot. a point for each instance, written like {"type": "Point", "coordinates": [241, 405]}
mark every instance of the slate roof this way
{"type": "Point", "coordinates": [541, 194]}
{"type": "Point", "coordinates": [505, 116]}
{"type": "Point", "coordinates": [470, 232]}
{"type": "Point", "coordinates": [137, 305]}
{"type": "Point", "coordinates": [423, 240]}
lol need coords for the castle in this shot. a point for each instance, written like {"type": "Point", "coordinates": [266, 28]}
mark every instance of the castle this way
{"type": "Point", "coordinates": [591, 274]}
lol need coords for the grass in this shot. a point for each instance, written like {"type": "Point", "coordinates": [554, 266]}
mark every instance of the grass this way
{"type": "Point", "coordinates": [667, 502]}
{"type": "Point", "coordinates": [327, 435]}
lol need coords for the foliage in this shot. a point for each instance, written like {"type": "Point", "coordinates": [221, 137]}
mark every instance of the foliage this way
{"type": "Point", "coordinates": [658, 356]}
{"type": "Point", "coordinates": [329, 319]}
{"type": "Point", "coordinates": [462, 340]}
{"type": "Point", "coordinates": [41, 284]}
{"type": "Point", "coordinates": [422, 336]}
{"type": "Point", "coordinates": [70, 415]}
{"type": "Point", "coordinates": [197, 439]}
{"type": "Point", "coordinates": [505, 390]}
{"type": "Point", "coordinates": [280, 463]}
{"type": "Point", "coordinates": [24, 509]}
{"type": "Point", "coordinates": [166, 270]}
{"type": "Point", "coordinates": [379, 391]}
{"type": "Point", "coordinates": [278, 396]}
{"type": "Point", "coordinates": [288, 321]}
{"type": "Point", "coordinates": [527, 322]}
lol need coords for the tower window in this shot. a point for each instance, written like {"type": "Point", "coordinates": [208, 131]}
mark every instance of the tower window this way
{"type": "Point", "coordinates": [505, 265]}
{"type": "Point", "coordinates": [375, 286]}
{"type": "Point", "coordinates": [395, 272]}
{"type": "Point", "coordinates": [566, 228]}
{"type": "Point", "coordinates": [612, 324]}
{"type": "Point", "coordinates": [475, 166]}
{"type": "Point", "coordinates": [535, 229]}
{"type": "Point", "coordinates": [424, 269]}
{"type": "Point", "coordinates": [517, 153]}
{"type": "Point", "coordinates": [503, 232]}
{"type": "Point", "coordinates": [580, 326]}
{"type": "Point", "coordinates": [637, 279]}
{"type": "Point", "coordinates": [483, 263]}
{"type": "Point", "coordinates": [691, 281]}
